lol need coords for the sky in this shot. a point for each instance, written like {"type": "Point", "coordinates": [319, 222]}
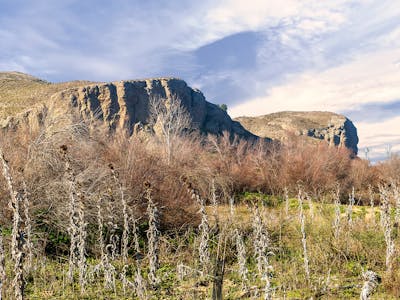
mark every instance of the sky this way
{"type": "Point", "coordinates": [256, 56]}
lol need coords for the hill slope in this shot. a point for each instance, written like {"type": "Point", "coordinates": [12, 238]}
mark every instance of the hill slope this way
{"type": "Point", "coordinates": [19, 92]}
{"type": "Point", "coordinates": [315, 125]}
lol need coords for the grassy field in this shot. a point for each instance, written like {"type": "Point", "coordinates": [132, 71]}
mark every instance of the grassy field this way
{"type": "Point", "coordinates": [336, 263]}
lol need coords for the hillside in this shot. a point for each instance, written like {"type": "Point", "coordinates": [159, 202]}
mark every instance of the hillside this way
{"type": "Point", "coordinates": [118, 104]}
{"type": "Point", "coordinates": [19, 91]}
{"type": "Point", "coordinates": [314, 125]}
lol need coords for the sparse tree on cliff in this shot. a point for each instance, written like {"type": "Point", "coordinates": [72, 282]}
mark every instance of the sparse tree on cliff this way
{"type": "Point", "coordinates": [170, 121]}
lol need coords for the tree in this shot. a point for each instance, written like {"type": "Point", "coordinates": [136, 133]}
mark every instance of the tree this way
{"type": "Point", "coordinates": [170, 121]}
{"type": "Point", "coordinates": [224, 107]}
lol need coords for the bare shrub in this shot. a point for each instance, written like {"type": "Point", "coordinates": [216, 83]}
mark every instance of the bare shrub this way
{"type": "Point", "coordinates": [170, 120]}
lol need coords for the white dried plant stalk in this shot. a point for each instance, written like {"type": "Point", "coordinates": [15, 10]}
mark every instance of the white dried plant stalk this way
{"type": "Point", "coordinates": [214, 202]}
{"type": "Point", "coordinates": [18, 253]}
{"type": "Point", "coordinates": [396, 196]}
{"type": "Point", "coordinates": [73, 221]}
{"type": "Point", "coordinates": [371, 198]}
{"type": "Point", "coordinates": [140, 285]}
{"type": "Point", "coordinates": [17, 235]}
{"type": "Point", "coordinates": [77, 226]}
{"type": "Point", "coordinates": [204, 251]}
{"type": "Point", "coordinates": [350, 208]}
{"type": "Point", "coordinates": [125, 228]}
{"type": "Point", "coordinates": [304, 237]}
{"type": "Point", "coordinates": [204, 229]}
{"type": "Point", "coordinates": [28, 228]}
{"type": "Point", "coordinates": [241, 255]}
{"type": "Point", "coordinates": [387, 227]}
{"type": "Point", "coordinates": [181, 271]}
{"type": "Point", "coordinates": [153, 240]}
{"type": "Point", "coordinates": [81, 245]}
{"type": "Point", "coordinates": [336, 222]}
{"type": "Point", "coordinates": [2, 264]}
{"type": "Point", "coordinates": [105, 265]}
{"type": "Point", "coordinates": [112, 226]}
{"type": "Point", "coordinates": [371, 282]}
{"type": "Point", "coordinates": [135, 236]}
{"type": "Point", "coordinates": [261, 245]}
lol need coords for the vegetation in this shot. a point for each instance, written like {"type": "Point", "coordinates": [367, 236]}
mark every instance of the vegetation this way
{"type": "Point", "coordinates": [19, 92]}
{"type": "Point", "coordinates": [178, 216]}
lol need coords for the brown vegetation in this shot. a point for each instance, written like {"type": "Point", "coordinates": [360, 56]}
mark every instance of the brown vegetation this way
{"type": "Point", "coordinates": [120, 180]}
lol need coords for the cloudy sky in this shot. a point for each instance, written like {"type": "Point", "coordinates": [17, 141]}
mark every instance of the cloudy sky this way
{"type": "Point", "coordinates": [257, 56]}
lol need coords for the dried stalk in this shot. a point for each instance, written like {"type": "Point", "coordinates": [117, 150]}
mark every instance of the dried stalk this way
{"type": "Point", "coordinates": [77, 225]}
{"type": "Point", "coordinates": [241, 255]}
{"type": "Point", "coordinates": [336, 222]}
{"type": "Point", "coordinates": [17, 236]}
{"type": "Point", "coordinates": [204, 251]}
{"type": "Point", "coordinates": [125, 228]}
{"type": "Point", "coordinates": [2, 264]}
{"type": "Point", "coordinates": [81, 245]}
{"type": "Point", "coordinates": [371, 281]}
{"type": "Point", "coordinates": [108, 268]}
{"type": "Point", "coordinates": [261, 244]}
{"type": "Point", "coordinates": [153, 239]}
{"type": "Point", "coordinates": [396, 196]}
{"type": "Point", "coordinates": [387, 228]}
{"type": "Point", "coordinates": [350, 208]}
{"type": "Point", "coordinates": [304, 237]}
{"type": "Point", "coordinates": [28, 228]}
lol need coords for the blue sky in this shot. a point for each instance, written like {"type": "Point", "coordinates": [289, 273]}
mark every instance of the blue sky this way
{"type": "Point", "coordinates": [257, 56]}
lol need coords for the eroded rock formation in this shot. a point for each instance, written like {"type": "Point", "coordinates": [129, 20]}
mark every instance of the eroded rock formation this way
{"type": "Point", "coordinates": [335, 129]}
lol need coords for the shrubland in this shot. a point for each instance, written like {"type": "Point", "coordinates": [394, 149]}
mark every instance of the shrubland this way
{"type": "Point", "coordinates": [114, 216]}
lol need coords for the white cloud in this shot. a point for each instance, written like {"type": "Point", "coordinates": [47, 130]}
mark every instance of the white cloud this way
{"type": "Point", "coordinates": [228, 17]}
{"type": "Point", "coordinates": [379, 133]}
{"type": "Point", "coordinates": [369, 78]}
{"type": "Point", "coordinates": [372, 77]}
{"type": "Point", "coordinates": [378, 136]}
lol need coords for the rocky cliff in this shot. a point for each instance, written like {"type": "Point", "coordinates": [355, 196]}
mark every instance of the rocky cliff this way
{"type": "Point", "coordinates": [126, 103]}
{"type": "Point", "coordinates": [118, 105]}
{"type": "Point", "coordinates": [335, 129]}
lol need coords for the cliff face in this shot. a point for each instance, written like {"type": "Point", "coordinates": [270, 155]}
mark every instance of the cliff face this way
{"type": "Point", "coordinates": [335, 129]}
{"type": "Point", "coordinates": [126, 103]}
{"type": "Point", "coordinates": [122, 104]}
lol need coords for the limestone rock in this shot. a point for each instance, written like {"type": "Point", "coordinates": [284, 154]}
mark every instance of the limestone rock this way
{"type": "Point", "coordinates": [126, 103]}
{"type": "Point", "coordinates": [335, 129]}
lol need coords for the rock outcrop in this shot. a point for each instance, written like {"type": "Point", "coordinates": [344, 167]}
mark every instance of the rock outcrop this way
{"type": "Point", "coordinates": [126, 103]}
{"type": "Point", "coordinates": [123, 104]}
{"type": "Point", "coordinates": [335, 129]}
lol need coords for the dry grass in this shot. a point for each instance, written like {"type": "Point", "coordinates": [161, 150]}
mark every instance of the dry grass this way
{"type": "Point", "coordinates": [19, 92]}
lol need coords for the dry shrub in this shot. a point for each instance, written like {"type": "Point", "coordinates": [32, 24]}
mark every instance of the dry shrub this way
{"type": "Point", "coordinates": [362, 176]}
{"type": "Point", "coordinates": [230, 164]}
{"type": "Point", "coordinates": [390, 169]}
